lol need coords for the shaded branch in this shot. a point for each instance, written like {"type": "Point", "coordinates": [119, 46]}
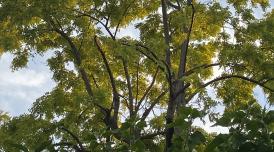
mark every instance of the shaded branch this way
{"type": "Point", "coordinates": [267, 80]}
{"type": "Point", "coordinates": [105, 25]}
{"type": "Point", "coordinates": [204, 66]}
{"type": "Point", "coordinates": [166, 31]}
{"type": "Point", "coordinates": [262, 84]}
{"type": "Point", "coordinates": [185, 44]}
{"type": "Point", "coordinates": [121, 19]}
{"type": "Point", "coordinates": [74, 137]}
{"type": "Point", "coordinates": [95, 82]}
{"type": "Point", "coordinates": [148, 110]}
{"type": "Point", "coordinates": [116, 102]}
{"type": "Point", "coordinates": [177, 7]}
{"type": "Point", "coordinates": [129, 86]}
{"type": "Point", "coordinates": [176, 94]}
{"type": "Point", "coordinates": [240, 77]}
{"type": "Point", "coordinates": [166, 68]}
{"type": "Point", "coordinates": [148, 54]}
{"type": "Point", "coordinates": [148, 89]}
{"type": "Point", "coordinates": [77, 57]}
{"type": "Point", "coordinates": [172, 104]}
{"type": "Point", "coordinates": [137, 84]}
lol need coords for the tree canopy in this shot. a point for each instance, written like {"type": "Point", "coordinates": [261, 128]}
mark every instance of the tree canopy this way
{"type": "Point", "coordinates": [142, 94]}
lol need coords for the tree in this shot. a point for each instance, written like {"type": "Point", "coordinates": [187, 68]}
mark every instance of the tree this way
{"type": "Point", "coordinates": [134, 94]}
{"type": "Point", "coordinates": [251, 129]}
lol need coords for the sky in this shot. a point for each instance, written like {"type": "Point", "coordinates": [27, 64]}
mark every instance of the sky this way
{"type": "Point", "coordinates": [19, 89]}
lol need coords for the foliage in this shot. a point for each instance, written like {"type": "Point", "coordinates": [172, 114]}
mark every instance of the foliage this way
{"type": "Point", "coordinates": [142, 93]}
{"type": "Point", "coordinates": [250, 129]}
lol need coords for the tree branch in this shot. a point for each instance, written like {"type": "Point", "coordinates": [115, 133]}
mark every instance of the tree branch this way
{"type": "Point", "coordinates": [74, 137]}
{"type": "Point", "coordinates": [148, 110]}
{"type": "Point", "coordinates": [116, 102]}
{"type": "Point", "coordinates": [179, 101]}
{"type": "Point", "coordinates": [182, 66]}
{"type": "Point", "coordinates": [95, 82]}
{"type": "Point", "coordinates": [177, 7]}
{"type": "Point", "coordinates": [129, 86]}
{"type": "Point", "coordinates": [97, 20]}
{"type": "Point", "coordinates": [204, 66]}
{"type": "Point", "coordinates": [240, 77]}
{"type": "Point", "coordinates": [262, 84]}
{"type": "Point", "coordinates": [148, 89]}
{"type": "Point", "coordinates": [121, 19]}
{"type": "Point", "coordinates": [77, 57]}
{"type": "Point", "coordinates": [267, 80]}
{"type": "Point", "coordinates": [166, 31]}
{"type": "Point", "coordinates": [166, 68]}
{"type": "Point", "coordinates": [176, 94]}
{"type": "Point", "coordinates": [137, 84]}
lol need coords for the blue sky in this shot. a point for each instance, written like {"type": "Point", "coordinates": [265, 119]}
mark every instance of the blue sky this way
{"type": "Point", "coordinates": [19, 89]}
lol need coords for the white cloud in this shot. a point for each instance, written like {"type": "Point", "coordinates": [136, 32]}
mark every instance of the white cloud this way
{"type": "Point", "coordinates": [19, 89]}
{"type": "Point", "coordinates": [130, 31]}
{"type": "Point", "coordinates": [208, 126]}
{"type": "Point", "coordinates": [29, 78]}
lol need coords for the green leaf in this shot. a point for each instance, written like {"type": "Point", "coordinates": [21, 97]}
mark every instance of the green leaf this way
{"type": "Point", "coordinates": [17, 146]}
{"type": "Point", "coordinates": [195, 139]}
{"type": "Point", "coordinates": [139, 146]}
{"type": "Point", "coordinates": [248, 147]}
{"type": "Point", "coordinates": [269, 118]}
{"type": "Point", "coordinates": [42, 146]}
{"type": "Point", "coordinates": [225, 121]}
{"type": "Point", "coordinates": [217, 141]}
{"type": "Point", "coordinates": [272, 136]}
{"type": "Point", "coordinates": [254, 125]}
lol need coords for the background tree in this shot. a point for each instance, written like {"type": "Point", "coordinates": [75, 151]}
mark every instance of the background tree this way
{"type": "Point", "coordinates": [134, 94]}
